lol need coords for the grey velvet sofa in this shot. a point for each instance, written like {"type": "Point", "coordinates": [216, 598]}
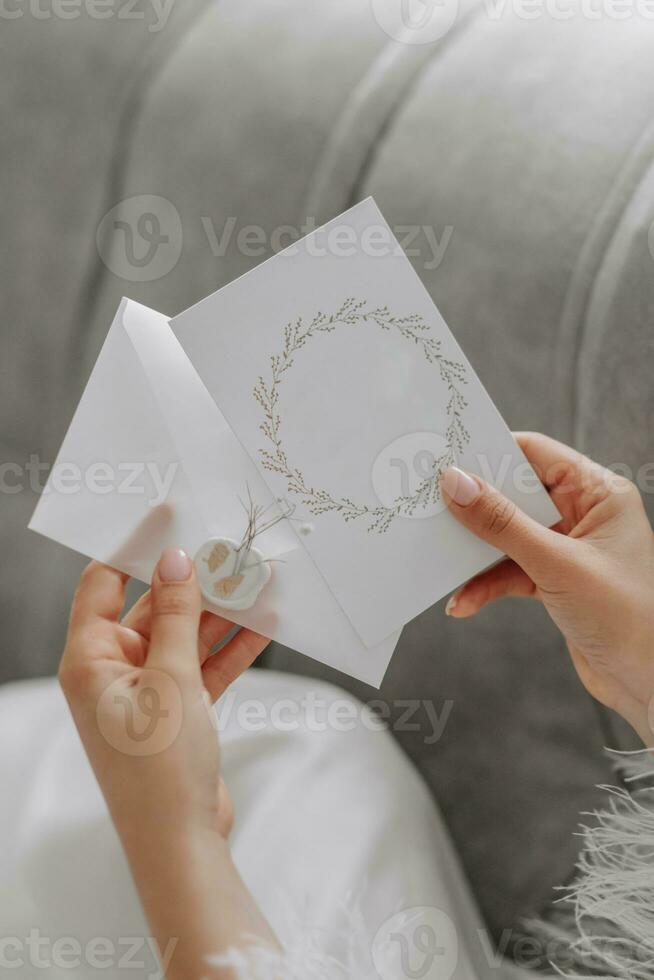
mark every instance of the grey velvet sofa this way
{"type": "Point", "coordinates": [525, 145]}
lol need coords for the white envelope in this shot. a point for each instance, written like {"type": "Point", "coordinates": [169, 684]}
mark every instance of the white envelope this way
{"type": "Point", "coordinates": [145, 425]}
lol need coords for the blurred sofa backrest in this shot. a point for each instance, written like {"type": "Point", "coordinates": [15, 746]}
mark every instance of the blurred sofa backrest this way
{"type": "Point", "coordinates": [514, 158]}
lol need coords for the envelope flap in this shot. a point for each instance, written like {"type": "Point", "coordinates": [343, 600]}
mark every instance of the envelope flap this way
{"type": "Point", "coordinates": [208, 449]}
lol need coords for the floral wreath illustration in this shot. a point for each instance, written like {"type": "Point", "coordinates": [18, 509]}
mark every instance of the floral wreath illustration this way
{"type": "Point", "coordinates": [353, 312]}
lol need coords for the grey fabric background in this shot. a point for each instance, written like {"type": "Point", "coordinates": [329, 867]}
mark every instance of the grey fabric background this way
{"type": "Point", "coordinates": [531, 139]}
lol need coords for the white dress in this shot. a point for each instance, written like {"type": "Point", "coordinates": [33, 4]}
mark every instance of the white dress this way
{"type": "Point", "coordinates": [335, 834]}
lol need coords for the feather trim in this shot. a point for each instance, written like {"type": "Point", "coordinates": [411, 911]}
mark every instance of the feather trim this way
{"type": "Point", "coordinates": [314, 953]}
{"type": "Point", "coordinates": [604, 924]}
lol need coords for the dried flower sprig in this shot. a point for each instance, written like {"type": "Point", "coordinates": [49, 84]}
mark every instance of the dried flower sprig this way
{"type": "Point", "coordinates": [258, 524]}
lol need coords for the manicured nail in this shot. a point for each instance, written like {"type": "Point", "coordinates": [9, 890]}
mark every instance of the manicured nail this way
{"type": "Point", "coordinates": [174, 565]}
{"type": "Point", "coordinates": [451, 604]}
{"type": "Point", "coordinates": [460, 486]}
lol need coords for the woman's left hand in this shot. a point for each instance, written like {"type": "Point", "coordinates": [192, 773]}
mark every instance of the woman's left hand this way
{"type": "Point", "coordinates": [140, 691]}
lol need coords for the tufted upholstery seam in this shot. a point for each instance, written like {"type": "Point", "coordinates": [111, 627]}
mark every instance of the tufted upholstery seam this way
{"type": "Point", "coordinates": [404, 98]}
{"type": "Point", "coordinates": [360, 104]}
{"type": "Point", "coordinates": [144, 80]}
{"type": "Point", "coordinates": [602, 268]}
{"type": "Point", "coordinates": [574, 322]}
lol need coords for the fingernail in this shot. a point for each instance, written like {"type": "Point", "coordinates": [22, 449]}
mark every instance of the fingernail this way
{"type": "Point", "coordinates": [460, 486]}
{"type": "Point", "coordinates": [174, 565]}
{"type": "Point", "coordinates": [451, 604]}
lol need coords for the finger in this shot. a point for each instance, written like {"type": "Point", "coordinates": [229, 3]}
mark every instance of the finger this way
{"type": "Point", "coordinates": [176, 606]}
{"type": "Point", "coordinates": [224, 667]}
{"type": "Point", "coordinates": [98, 602]}
{"type": "Point", "coordinates": [503, 579]}
{"type": "Point", "coordinates": [575, 482]}
{"type": "Point", "coordinates": [551, 458]}
{"type": "Point", "coordinates": [139, 616]}
{"type": "Point", "coordinates": [134, 646]}
{"type": "Point", "coordinates": [540, 552]}
{"type": "Point", "coordinates": [100, 595]}
{"type": "Point", "coordinates": [212, 629]}
{"type": "Point", "coordinates": [135, 630]}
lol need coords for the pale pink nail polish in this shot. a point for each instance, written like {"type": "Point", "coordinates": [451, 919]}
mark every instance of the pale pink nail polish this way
{"type": "Point", "coordinates": [174, 565]}
{"type": "Point", "coordinates": [460, 486]}
{"type": "Point", "coordinates": [451, 604]}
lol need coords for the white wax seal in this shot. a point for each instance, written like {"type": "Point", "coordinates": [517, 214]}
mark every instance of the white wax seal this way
{"type": "Point", "coordinates": [228, 578]}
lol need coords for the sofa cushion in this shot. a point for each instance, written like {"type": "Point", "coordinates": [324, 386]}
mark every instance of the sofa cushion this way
{"type": "Point", "coordinates": [527, 139]}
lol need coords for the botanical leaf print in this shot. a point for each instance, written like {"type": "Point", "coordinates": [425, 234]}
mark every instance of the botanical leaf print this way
{"type": "Point", "coordinates": [217, 556]}
{"type": "Point", "coordinates": [225, 587]}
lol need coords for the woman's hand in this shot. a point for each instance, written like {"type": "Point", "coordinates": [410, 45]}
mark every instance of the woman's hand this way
{"type": "Point", "coordinates": [140, 692]}
{"type": "Point", "coordinates": [594, 572]}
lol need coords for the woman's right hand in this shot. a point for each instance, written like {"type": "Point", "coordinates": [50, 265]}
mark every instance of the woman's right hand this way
{"type": "Point", "coordinates": [594, 571]}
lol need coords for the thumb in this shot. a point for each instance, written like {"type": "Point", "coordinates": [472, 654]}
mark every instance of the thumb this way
{"type": "Point", "coordinates": [175, 607]}
{"type": "Point", "coordinates": [495, 519]}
